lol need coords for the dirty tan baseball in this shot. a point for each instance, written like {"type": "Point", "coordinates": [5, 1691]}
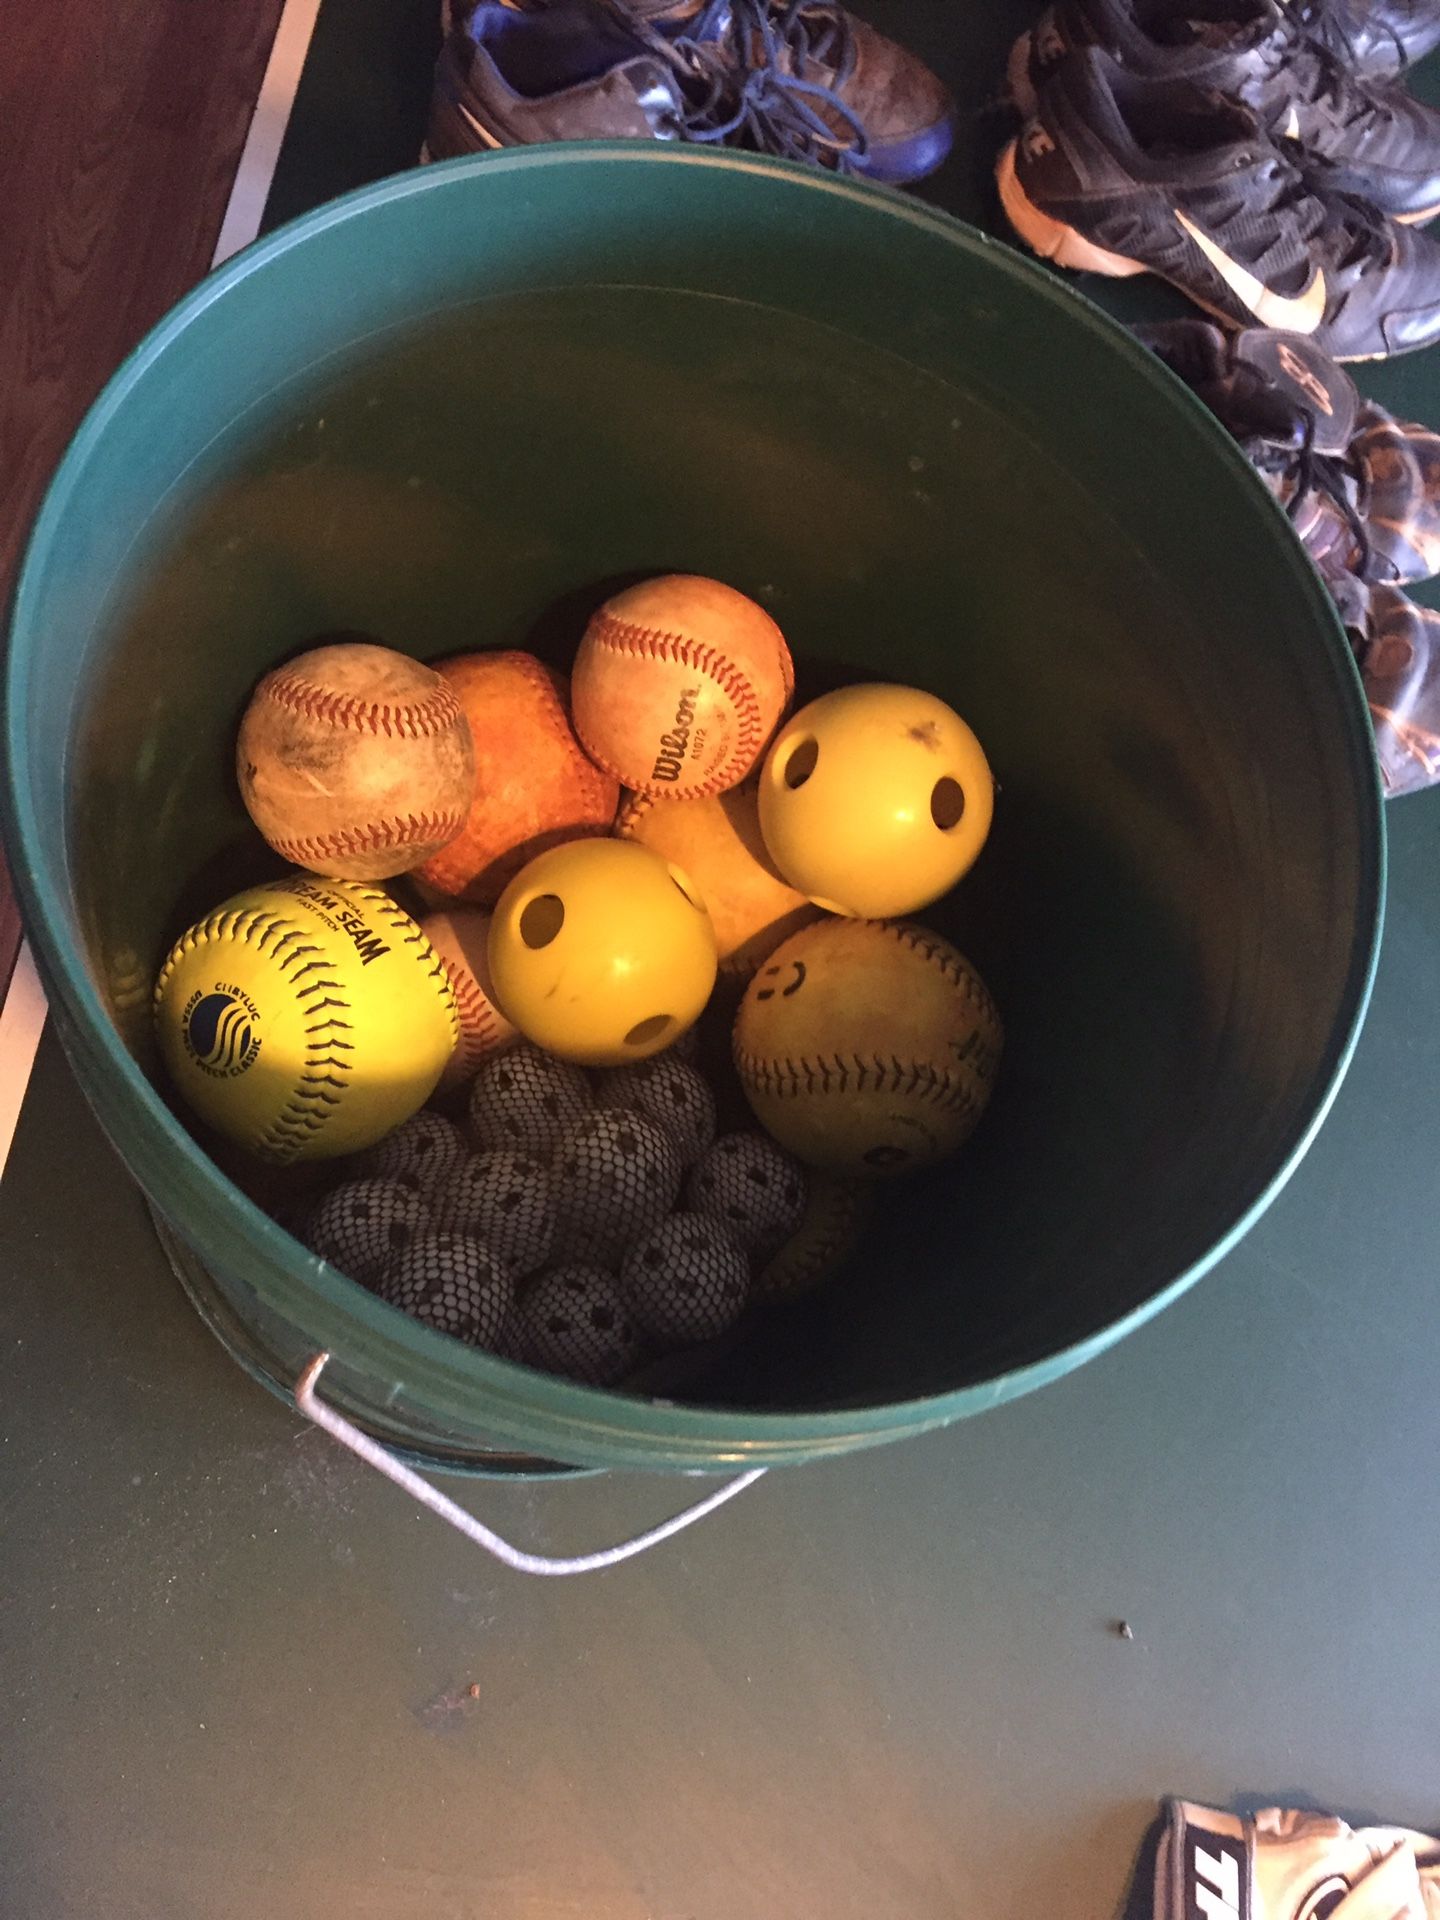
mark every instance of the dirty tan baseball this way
{"type": "Point", "coordinates": [867, 1047]}
{"type": "Point", "coordinates": [355, 761]}
{"type": "Point", "coordinates": [678, 685]}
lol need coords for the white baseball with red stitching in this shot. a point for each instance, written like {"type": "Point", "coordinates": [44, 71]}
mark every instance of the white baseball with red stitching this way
{"type": "Point", "coordinates": [355, 761]}
{"type": "Point", "coordinates": [678, 685]}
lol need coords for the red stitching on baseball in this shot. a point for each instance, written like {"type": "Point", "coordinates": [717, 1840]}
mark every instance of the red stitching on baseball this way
{"type": "Point", "coordinates": [478, 1024]}
{"type": "Point", "coordinates": [411, 720]}
{"type": "Point", "coordinates": [375, 837]}
{"type": "Point", "coordinates": [655, 644]}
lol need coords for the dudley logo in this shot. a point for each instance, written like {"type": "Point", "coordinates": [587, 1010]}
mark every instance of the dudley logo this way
{"type": "Point", "coordinates": [220, 1031]}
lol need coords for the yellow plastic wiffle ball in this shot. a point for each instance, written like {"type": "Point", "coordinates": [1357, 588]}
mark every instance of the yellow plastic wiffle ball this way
{"type": "Point", "coordinates": [601, 952]}
{"type": "Point", "coordinates": [875, 800]}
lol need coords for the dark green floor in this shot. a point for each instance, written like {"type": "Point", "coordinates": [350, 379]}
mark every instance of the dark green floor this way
{"type": "Point", "coordinates": [237, 1666]}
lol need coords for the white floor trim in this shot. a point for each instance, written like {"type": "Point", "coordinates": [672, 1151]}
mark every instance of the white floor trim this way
{"type": "Point", "coordinates": [22, 1014]}
{"type": "Point", "coordinates": [22, 1021]}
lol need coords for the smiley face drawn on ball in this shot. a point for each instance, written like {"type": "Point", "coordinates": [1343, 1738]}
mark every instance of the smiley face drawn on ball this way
{"type": "Point", "coordinates": [770, 973]}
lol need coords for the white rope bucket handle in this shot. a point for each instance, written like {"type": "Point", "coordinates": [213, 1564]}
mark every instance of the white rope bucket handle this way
{"type": "Point", "coordinates": [374, 1455]}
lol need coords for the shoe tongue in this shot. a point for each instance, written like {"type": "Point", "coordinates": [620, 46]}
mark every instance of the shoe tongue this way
{"type": "Point", "coordinates": [1304, 380]}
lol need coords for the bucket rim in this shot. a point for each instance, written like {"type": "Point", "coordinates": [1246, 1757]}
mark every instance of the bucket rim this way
{"type": "Point", "coordinates": [540, 1411]}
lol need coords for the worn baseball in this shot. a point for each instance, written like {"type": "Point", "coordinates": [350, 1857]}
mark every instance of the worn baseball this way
{"type": "Point", "coordinates": [355, 761]}
{"type": "Point", "coordinates": [837, 1211]}
{"type": "Point", "coordinates": [534, 784]}
{"type": "Point", "coordinates": [679, 684]}
{"type": "Point", "coordinates": [716, 840]}
{"type": "Point", "coordinates": [459, 937]}
{"type": "Point", "coordinates": [867, 1046]}
{"type": "Point", "coordinates": [305, 1019]}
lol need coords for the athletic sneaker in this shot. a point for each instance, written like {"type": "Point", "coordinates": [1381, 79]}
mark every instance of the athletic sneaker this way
{"type": "Point", "coordinates": [1381, 144]}
{"type": "Point", "coordinates": [1397, 648]}
{"type": "Point", "coordinates": [1379, 38]}
{"type": "Point", "coordinates": [1120, 175]}
{"type": "Point", "coordinates": [1362, 488]}
{"type": "Point", "coordinates": [1363, 492]}
{"type": "Point", "coordinates": [803, 79]}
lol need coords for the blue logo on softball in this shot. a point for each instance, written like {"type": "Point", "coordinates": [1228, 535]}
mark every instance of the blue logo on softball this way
{"type": "Point", "coordinates": [220, 1031]}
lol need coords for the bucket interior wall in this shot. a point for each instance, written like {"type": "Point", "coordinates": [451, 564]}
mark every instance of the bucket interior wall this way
{"type": "Point", "coordinates": [450, 424]}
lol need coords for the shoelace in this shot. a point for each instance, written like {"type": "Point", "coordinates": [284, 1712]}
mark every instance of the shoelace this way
{"type": "Point", "coordinates": [1315, 74]}
{"type": "Point", "coordinates": [1339, 231]}
{"type": "Point", "coordinates": [1323, 20]}
{"type": "Point", "coordinates": [1321, 473]}
{"type": "Point", "coordinates": [739, 79]}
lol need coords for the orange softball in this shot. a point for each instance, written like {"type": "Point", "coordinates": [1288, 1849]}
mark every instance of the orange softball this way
{"type": "Point", "coordinates": [679, 684]}
{"type": "Point", "coordinates": [355, 761]}
{"type": "Point", "coordinates": [459, 939]}
{"type": "Point", "coordinates": [534, 785]}
{"type": "Point", "coordinates": [716, 840]}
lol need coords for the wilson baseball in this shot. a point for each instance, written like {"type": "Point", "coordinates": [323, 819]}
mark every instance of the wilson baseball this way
{"type": "Point", "coordinates": [716, 840]}
{"type": "Point", "coordinates": [459, 937]}
{"type": "Point", "coordinates": [355, 761]}
{"type": "Point", "coordinates": [305, 1019]}
{"type": "Point", "coordinates": [867, 1046]}
{"type": "Point", "coordinates": [534, 786]}
{"type": "Point", "coordinates": [678, 685]}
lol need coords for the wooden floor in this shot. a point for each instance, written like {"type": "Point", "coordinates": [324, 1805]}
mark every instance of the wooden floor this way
{"type": "Point", "coordinates": [121, 122]}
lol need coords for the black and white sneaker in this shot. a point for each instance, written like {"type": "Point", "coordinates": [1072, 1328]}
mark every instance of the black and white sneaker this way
{"type": "Point", "coordinates": [1378, 38]}
{"type": "Point", "coordinates": [1381, 143]}
{"type": "Point", "coordinates": [1120, 175]}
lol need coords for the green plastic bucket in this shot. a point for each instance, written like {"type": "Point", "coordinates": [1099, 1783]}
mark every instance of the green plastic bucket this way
{"type": "Point", "coordinates": [446, 411]}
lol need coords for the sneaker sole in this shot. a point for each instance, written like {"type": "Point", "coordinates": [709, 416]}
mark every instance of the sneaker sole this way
{"type": "Point", "coordinates": [1051, 238]}
{"type": "Point", "coordinates": [1063, 245]}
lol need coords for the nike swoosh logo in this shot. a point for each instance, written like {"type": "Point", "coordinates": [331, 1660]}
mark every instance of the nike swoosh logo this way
{"type": "Point", "coordinates": [1298, 313]}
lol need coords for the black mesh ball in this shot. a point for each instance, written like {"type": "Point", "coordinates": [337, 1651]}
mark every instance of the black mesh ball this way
{"type": "Point", "coordinates": [422, 1151]}
{"type": "Point", "coordinates": [670, 1093]}
{"type": "Point", "coordinates": [574, 1321]}
{"type": "Point", "coordinates": [751, 1184]}
{"type": "Point", "coordinates": [361, 1225]}
{"type": "Point", "coordinates": [616, 1174]}
{"type": "Point", "coordinates": [504, 1200]}
{"type": "Point", "coordinates": [687, 1280]}
{"type": "Point", "coordinates": [526, 1101]}
{"type": "Point", "coordinates": [452, 1283]}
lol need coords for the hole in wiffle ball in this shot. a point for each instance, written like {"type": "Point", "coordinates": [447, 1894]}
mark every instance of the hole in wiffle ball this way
{"type": "Point", "coordinates": [558, 1325]}
{"type": "Point", "coordinates": [801, 763]}
{"type": "Point", "coordinates": [947, 803]}
{"type": "Point", "coordinates": [645, 1031]}
{"type": "Point", "coordinates": [541, 919]}
{"type": "Point", "coordinates": [602, 1318]}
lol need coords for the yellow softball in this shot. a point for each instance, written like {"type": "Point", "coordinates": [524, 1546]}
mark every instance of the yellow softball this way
{"type": "Point", "coordinates": [306, 1018]}
{"type": "Point", "coordinates": [867, 1046]}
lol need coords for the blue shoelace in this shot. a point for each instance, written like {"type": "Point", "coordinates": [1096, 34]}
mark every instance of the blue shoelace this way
{"type": "Point", "coordinates": [739, 71]}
